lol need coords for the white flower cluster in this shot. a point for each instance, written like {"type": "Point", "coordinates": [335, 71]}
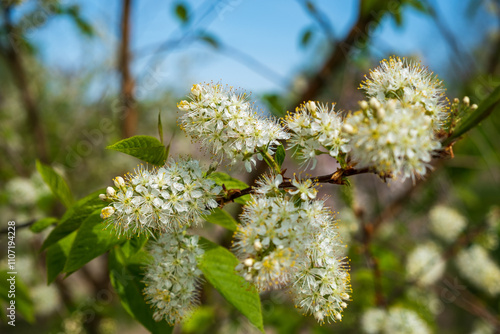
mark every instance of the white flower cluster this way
{"type": "Point", "coordinates": [425, 264]}
{"type": "Point", "coordinates": [166, 199]}
{"type": "Point", "coordinates": [446, 223]}
{"type": "Point", "coordinates": [391, 137]}
{"type": "Point", "coordinates": [409, 83]}
{"type": "Point", "coordinates": [290, 239]}
{"type": "Point", "coordinates": [226, 123]}
{"type": "Point", "coordinates": [313, 128]}
{"type": "Point", "coordinates": [475, 265]}
{"type": "Point", "coordinates": [171, 279]}
{"type": "Point", "coordinates": [395, 320]}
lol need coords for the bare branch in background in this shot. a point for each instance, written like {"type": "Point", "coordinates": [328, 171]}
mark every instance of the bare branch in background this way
{"type": "Point", "coordinates": [129, 109]}
{"type": "Point", "coordinates": [20, 76]}
{"type": "Point", "coordinates": [320, 18]}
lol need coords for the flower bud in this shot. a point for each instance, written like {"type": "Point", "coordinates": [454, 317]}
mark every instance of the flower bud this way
{"type": "Point", "coordinates": [456, 100]}
{"type": "Point", "coordinates": [119, 182]}
{"type": "Point", "coordinates": [380, 113]}
{"type": "Point", "coordinates": [110, 191]}
{"type": "Point", "coordinates": [363, 105]}
{"type": "Point", "coordinates": [466, 100]}
{"type": "Point", "coordinates": [374, 104]}
{"type": "Point", "coordinates": [474, 106]}
{"type": "Point", "coordinates": [196, 90]}
{"type": "Point", "coordinates": [107, 212]}
{"type": "Point", "coordinates": [103, 197]}
{"type": "Point", "coordinates": [257, 245]}
{"type": "Point", "coordinates": [311, 106]}
{"type": "Point", "coordinates": [338, 316]}
{"type": "Point", "coordinates": [248, 277]}
{"type": "Point", "coordinates": [248, 262]}
{"type": "Point", "coordinates": [347, 128]}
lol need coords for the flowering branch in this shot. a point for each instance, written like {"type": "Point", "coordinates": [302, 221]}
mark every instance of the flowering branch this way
{"type": "Point", "coordinates": [337, 177]}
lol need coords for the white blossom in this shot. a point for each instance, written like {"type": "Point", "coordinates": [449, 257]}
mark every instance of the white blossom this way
{"type": "Point", "coordinates": [314, 128]}
{"type": "Point", "coordinates": [446, 223]}
{"type": "Point", "coordinates": [169, 198]}
{"type": "Point", "coordinates": [400, 142]}
{"type": "Point", "coordinates": [425, 264]}
{"type": "Point", "coordinates": [225, 123]}
{"type": "Point", "coordinates": [475, 265]}
{"type": "Point", "coordinates": [395, 320]}
{"type": "Point", "coordinates": [289, 239]}
{"type": "Point", "coordinates": [172, 277]}
{"type": "Point", "coordinates": [372, 320]}
{"type": "Point", "coordinates": [411, 84]}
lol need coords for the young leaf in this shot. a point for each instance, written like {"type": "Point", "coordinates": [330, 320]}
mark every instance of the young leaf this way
{"type": "Point", "coordinates": [74, 216]}
{"type": "Point", "coordinates": [160, 128]}
{"type": "Point", "coordinates": [56, 183]}
{"type": "Point", "coordinates": [306, 37]}
{"type": "Point", "coordinates": [24, 303]}
{"type": "Point", "coordinates": [487, 106]}
{"type": "Point", "coordinates": [280, 155]}
{"type": "Point", "coordinates": [126, 276]}
{"type": "Point", "coordinates": [146, 148]}
{"type": "Point", "coordinates": [217, 264]}
{"type": "Point", "coordinates": [42, 224]}
{"type": "Point", "coordinates": [182, 13]}
{"type": "Point", "coordinates": [222, 218]}
{"type": "Point", "coordinates": [92, 240]}
{"type": "Point", "coordinates": [230, 183]}
{"type": "Point", "coordinates": [57, 254]}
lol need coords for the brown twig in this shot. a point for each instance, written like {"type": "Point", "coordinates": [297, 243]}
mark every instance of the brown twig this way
{"type": "Point", "coordinates": [129, 111]}
{"type": "Point", "coordinates": [337, 177]}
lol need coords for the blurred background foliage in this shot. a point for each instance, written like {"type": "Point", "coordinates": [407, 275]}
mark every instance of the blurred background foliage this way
{"type": "Point", "coordinates": [80, 75]}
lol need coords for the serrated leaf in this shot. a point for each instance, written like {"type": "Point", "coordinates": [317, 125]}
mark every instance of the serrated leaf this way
{"type": "Point", "coordinates": [57, 254]}
{"type": "Point", "coordinates": [222, 218]}
{"type": "Point", "coordinates": [24, 303]}
{"type": "Point", "coordinates": [126, 275]}
{"type": "Point", "coordinates": [182, 13]}
{"type": "Point", "coordinates": [218, 266]}
{"type": "Point", "coordinates": [42, 224]}
{"type": "Point", "coordinates": [486, 107]}
{"type": "Point", "coordinates": [56, 183]}
{"type": "Point", "coordinates": [280, 155]}
{"type": "Point", "coordinates": [306, 37]}
{"type": "Point", "coordinates": [92, 240]}
{"type": "Point", "coordinates": [74, 216]}
{"type": "Point", "coordinates": [146, 148]}
{"type": "Point", "coordinates": [230, 183]}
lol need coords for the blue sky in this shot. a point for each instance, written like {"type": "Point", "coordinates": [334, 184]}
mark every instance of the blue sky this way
{"type": "Point", "coordinates": [267, 31]}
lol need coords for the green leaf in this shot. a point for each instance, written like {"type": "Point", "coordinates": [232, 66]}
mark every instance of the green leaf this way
{"type": "Point", "coordinates": [74, 216]}
{"type": "Point", "coordinates": [56, 183]}
{"type": "Point", "coordinates": [126, 276]}
{"type": "Point", "coordinates": [92, 240]}
{"type": "Point", "coordinates": [42, 224]}
{"type": "Point", "coordinates": [146, 148]}
{"type": "Point", "coordinates": [230, 183]}
{"type": "Point", "coordinates": [182, 13]}
{"type": "Point", "coordinates": [222, 218]}
{"type": "Point", "coordinates": [23, 303]}
{"type": "Point", "coordinates": [280, 155]}
{"type": "Point", "coordinates": [306, 37]}
{"type": "Point", "coordinates": [160, 128]}
{"type": "Point", "coordinates": [57, 254]}
{"type": "Point", "coordinates": [487, 106]}
{"type": "Point", "coordinates": [217, 264]}
{"type": "Point", "coordinates": [209, 39]}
